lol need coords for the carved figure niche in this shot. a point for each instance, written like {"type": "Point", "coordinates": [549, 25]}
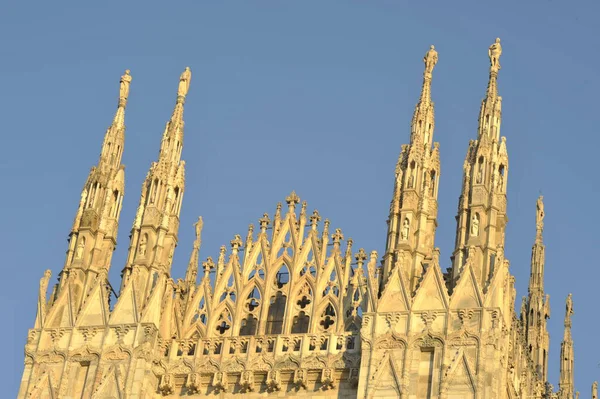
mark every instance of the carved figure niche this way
{"type": "Point", "coordinates": [411, 176]}
{"type": "Point", "coordinates": [480, 168]}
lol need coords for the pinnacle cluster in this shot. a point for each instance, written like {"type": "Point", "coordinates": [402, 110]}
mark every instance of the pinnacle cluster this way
{"type": "Point", "coordinates": [294, 308]}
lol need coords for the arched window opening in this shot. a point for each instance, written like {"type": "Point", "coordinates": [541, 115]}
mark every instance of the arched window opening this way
{"type": "Point", "coordinates": [249, 325]}
{"type": "Point", "coordinates": [432, 183]}
{"type": "Point", "coordinates": [174, 206]}
{"type": "Point", "coordinates": [411, 177]}
{"type": "Point", "coordinates": [300, 323]}
{"type": "Point", "coordinates": [276, 314]}
{"type": "Point", "coordinates": [282, 277]}
{"type": "Point", "coordinates": [501, 178]}
{"type": "Point", "coordinates": [480, 166]}
{"type": "Point", "coordinates": [115, 204]}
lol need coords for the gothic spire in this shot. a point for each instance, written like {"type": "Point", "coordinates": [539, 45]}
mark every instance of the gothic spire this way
{"type": "Point", "coordinates": [154, 234]}
{"type": "Point", "coordinates": [481, 219]}
{"type": "Point", "coordinates": [413, 210]}
{"type": "Point", "coordinates": [172, 142]}
{"type": "Point", "coordinates": [491, 106]}
{"type": "Point", "coordinates": [566, 384]}
{"type": "Point", "coordinates": [112, 147]}
{"type": "Point", "coordinates": [538, 303]}
{"type": "Point", "coordinates": [422, 124]}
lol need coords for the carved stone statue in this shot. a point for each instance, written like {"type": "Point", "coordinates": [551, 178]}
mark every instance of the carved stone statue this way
{"type": "Point", "coordinates": [80, 248]}
{"type": "Point", "coordinates": [142, 248]}
{"type": "Point", "coordinates": [405, 229]}
{"type": "Point", "coordinates": [539, 216]}
{"type": "Point", "coordinates": [198, 225]}
{"type": "Point", "coordinates": [569, 310]}
{"type": "Point", "coordinates": [495, 51]}
{"type": "Point", "coordinates": [595, 390]}
{"type": "Point", "coordinates": [475, 225]}
{"type": "Point", "coordinates": [184, 82]}
{"type": "Point", "coordinates": [124, 88]}
{"type": "Point", "coordinates": [430, 59]}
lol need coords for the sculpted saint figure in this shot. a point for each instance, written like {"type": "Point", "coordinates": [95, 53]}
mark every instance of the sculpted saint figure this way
{"type": "Point", "coordinates": [198, 225]}
{"type": "Point", "coordinates": [80, 247]}
{"type": "Point", "coordinates": [595, 390]}
{"type": "Point", "coordinates": [405, 229]}
{"type": "Point", "coordinates": [142, 250]}
{"type": "Point", "coordinates": [494, 52]}
{"type": "Point", "coordinates": [430, 59]}
{"type": "Point", "coordinates": [569, 305]}
{"type": "Point", "coordinates": [475, 225]}
{"type": "Point", "coordinates": [124, 89]}
{"type": "Point", "coordinates": [539, 216]}
{"type": "Point", "coordinates": [184, 82]}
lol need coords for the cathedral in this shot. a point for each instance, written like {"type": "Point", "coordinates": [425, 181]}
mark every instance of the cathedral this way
{"type": "Point", "coordinates": [293, 309]}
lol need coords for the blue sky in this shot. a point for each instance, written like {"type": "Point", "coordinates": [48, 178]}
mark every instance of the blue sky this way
{"type": "Point", "coordinates": [308, 95]}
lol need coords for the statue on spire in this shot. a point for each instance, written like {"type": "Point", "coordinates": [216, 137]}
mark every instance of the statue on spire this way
{"type": "Point", "coordinates": [124, 88]}
{"type": "Point", "coordinates": [495, 51]}
{"type": "Point", "coordinates": [184, 82]}
{"type": "Point", "coordinates": [539, 216]}
{"type": "Point", "coordinates": [198, 225]}
{"type": "Point", "coordinates": [430, 59]}
{"type": "Point", "coordinates": [595, 390]}
{"type": "Point", "coordinates": [569, 309]}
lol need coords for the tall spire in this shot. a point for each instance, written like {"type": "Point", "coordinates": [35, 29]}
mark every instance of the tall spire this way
{"type": "Point", "coordinates": [538, 303]}
{"type": "Point", "coordinates": [482, 218]}
{"type": "Point", "coordinates": [93, 235]}
{"type": "Point", "coordinates": [112, 147]}
{"type": "Point", "coordinates": [491, 106]}
{"type": "Point", "coordinates": [566, 384]}
{"type": "Point", "coordinates": [422, 124]}
{"type": "Point", "coordinates": [154, 234]}
{"type": "Point", "coordinates": [172, 142]}
{"type": "Point", "coordinates": [413, 211]}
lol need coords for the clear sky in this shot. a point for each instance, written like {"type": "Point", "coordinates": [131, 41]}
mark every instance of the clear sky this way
{"type": "Point", "coordinates": [315, 96]}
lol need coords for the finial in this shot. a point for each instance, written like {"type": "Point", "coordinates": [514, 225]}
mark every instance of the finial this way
{"type": "Point", "coordinates": [337, 237]}
{"type": "Point", "coordinates": [184, 84]}
{"type": "Point", "coordinates": [430, 59]}
{"type": "Point", "coordinates": [124, 89]}
{"type": "Point", "coordinates": [314, 219]}
{"type": "Point", "coordinates": [264, 222]}
{"type": "Point", "coordinates": [539, 217]}
{"type": "Point", "coordinates": [494, 52]}
{"type": "Point", "coordinates": [292, 198]}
